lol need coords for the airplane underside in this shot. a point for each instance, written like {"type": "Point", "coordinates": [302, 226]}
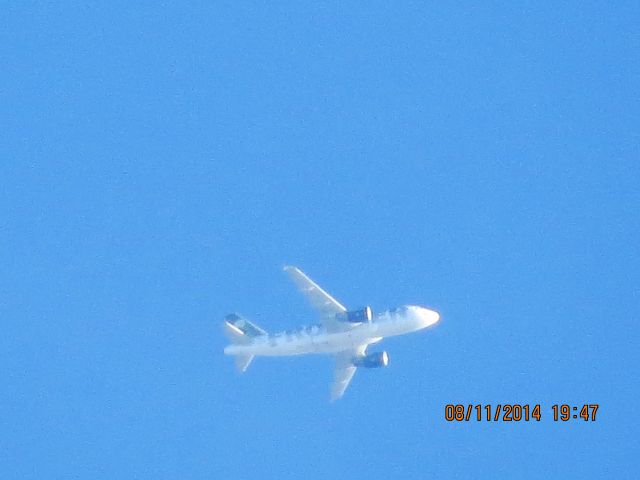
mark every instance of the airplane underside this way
{"type": "Point", "coordinates": [279, 347]}
{"type": "Point", "coordinates": [345, 334]}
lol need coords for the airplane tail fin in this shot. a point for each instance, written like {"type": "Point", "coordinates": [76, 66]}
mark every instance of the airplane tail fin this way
{"type": "Point", "coordinates": [240, 330]}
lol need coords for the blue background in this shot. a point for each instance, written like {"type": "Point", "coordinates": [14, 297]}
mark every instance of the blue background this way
{"type": "Point", "coordinates": [160, 164]}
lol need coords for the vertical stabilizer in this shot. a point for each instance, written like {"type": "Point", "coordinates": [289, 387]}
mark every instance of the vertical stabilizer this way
{"type": "Point", "coordinates": [239, 328]}
{"type": "Point", "coordinates": [241, 331]}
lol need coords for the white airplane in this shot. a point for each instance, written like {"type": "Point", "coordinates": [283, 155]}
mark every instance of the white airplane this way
{"type": "Point", "coordinates": [346, 334]}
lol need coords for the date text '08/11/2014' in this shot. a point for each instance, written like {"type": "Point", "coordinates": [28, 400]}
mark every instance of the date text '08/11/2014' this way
{"type": "Point", "coordinates": [517, 412]}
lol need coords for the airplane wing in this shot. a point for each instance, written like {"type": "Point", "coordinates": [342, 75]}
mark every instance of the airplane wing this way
{"type": "Point", "coordinates": [319, 299]}
{"type": "Point", "coordinates": [345, 370]}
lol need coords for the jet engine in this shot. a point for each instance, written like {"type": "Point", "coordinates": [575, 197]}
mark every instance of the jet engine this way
{"type": "Point", "coordinates": [373, 360]}
{"type": "Point", "coordinates": [357, 316]}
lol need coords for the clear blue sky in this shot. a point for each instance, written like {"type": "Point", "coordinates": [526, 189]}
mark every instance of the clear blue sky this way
{"type": "Point", "coordinates": [160, 164]}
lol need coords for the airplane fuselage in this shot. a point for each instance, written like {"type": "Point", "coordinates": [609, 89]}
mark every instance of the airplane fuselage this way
{"type": "Point", "coordinates": [316, 339]}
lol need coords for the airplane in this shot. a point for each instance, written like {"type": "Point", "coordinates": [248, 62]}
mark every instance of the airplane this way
{"type": "Point", "coordinates": [344, 333]}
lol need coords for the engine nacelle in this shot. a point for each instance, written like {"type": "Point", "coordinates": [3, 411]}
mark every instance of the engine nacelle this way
{"type": "Point", "coordinates": [357, 316]}
{"type": "Point", "coordinates": [373, 360]}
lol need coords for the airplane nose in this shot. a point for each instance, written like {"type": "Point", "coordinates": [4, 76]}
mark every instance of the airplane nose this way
{"type": "Point", "coordinates": [429, 317]}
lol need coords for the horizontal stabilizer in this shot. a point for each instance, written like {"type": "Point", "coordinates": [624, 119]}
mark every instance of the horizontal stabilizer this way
{"type": "Point", "coordinates": [243, 362]}
{"type": "Point", "coordinates": [241, 331]}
